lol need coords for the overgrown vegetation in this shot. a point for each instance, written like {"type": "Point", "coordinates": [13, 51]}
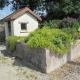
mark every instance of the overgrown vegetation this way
{"type": "Point", "coordinates": [71, 31]}
{"type": "Point", "coordinates": [11, 42]}
{"type": "Point", "coordinates": [53, 23]}
{"type": "Point", "coordinates": [54, 39]}
{"type": "Point", "coordinates": [64, 23]}
{"type": "Point", "coordinates": [56, 35]}
{"type": "Point", "coordinates": [69, 25]}
{"type": "Point", "coordinates": [55, 9]}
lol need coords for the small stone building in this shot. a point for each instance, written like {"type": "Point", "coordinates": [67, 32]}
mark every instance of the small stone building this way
{"type": "Point", "coordinates": [21, 22]}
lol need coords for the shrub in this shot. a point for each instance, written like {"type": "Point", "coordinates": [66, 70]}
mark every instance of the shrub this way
{"type": "Point", "coordinates": [69, 22]}
{"type": "Point", "coordinates": [65, 23]}
{"type": "Point", "coordinates": [79, 19]}
{"type": "Point", "coordinates": [76, 25]}
{"type": "Point", "coordinates": [31, 34]}
{"type": "Point", "coordinates": [53, 23]}
{"type": "Point", "coordinates": [77, 36]}
{"type": "Point", "coordinates": [71, 31]}
{"type": "Point", "coordinates": [11, 42]}
{"type": "Point", "coordinates": [54, 39]}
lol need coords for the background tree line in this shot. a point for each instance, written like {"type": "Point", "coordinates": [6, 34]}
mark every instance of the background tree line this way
{"type": "Point", "coordinates": [55, 9]}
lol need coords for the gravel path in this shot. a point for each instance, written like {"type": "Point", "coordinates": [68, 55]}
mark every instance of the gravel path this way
{"type": "Point", "coordinates": [12, 68]}
{"type": "Point", "coordinates": [69, 71]}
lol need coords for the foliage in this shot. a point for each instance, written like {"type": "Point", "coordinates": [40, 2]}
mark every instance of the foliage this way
{"type": "Point", "coordinates": [62, 8]}
{"type": "Point", "coordinates": [53, 23]}
{"type": "Point", "coordinates": [71, 31]}
{"type": "Point", "coordinates": [69, 22]}
{"type": "Point", "coordinates": [79, 19]}
{"type": "Point", "coordinates": [54, 39]}
{"type": "Point", "coordinates": [11, 42]}
{"type": "Point", "coordinates": [55, 9]}
{"type": "Point", "coordinates": [4, 3]}
{"type": "Point", "coordinates": [79, 29]}
{"type": "Point", "coordinates": [77, 36]}
{"type": "Point", "coordinates": [18, 4]}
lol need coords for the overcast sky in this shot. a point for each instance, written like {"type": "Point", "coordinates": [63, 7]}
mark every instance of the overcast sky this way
{"type": "Point", "coordinates": [6, 11]}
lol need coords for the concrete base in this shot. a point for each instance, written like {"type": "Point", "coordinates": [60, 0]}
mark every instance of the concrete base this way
{"type": "Point", "coordinates": [44, 59]}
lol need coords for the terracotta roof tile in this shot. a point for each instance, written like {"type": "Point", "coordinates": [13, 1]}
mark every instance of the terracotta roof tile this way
{"type": "Point", "coordinates": [20, 12]}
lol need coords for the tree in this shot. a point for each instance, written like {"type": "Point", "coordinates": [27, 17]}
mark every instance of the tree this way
{"type": "Point", "coordinates": [4, 3]}
{"type": "Point", "coordinates": [18, 4]}
{"type": "Point", "coordinates": [55, 9]}
{"type": "Point", "coordinates": [58, 9]}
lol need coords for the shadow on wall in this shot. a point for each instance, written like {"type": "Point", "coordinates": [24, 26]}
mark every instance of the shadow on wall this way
{"type": "Point", "coordinates": [19, 62]}
{"type": "Point", "coordinates": [2, 33]}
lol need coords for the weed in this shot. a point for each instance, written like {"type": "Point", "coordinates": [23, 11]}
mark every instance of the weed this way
{"type": "Point", "coordinates": [27, 76]}
{"type": "Point", "coordinates": [24, 72]}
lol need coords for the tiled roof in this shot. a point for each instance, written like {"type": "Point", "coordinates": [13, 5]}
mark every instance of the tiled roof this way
{"type": "Point", "coordinates": [19, 12]}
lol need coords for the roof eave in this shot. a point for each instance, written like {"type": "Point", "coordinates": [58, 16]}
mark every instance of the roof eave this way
{"type": "Point", "coordinates": [13, 16]}
{"type": "Point", "coordinates": [8, 19]}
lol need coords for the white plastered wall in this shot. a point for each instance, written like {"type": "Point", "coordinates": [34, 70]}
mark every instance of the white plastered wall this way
{"type": "Point", "coordinates": [6, 29]}
{"type": "Point", "coordinates": [12, 28]}
{"type": "Point", "coordinates": [31, 25]}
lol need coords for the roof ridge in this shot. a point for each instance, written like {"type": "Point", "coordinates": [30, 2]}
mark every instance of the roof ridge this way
{"type": "Point", "coordinates": [17, 13]}
{"type": "Point", "coordinates": [14, 12]}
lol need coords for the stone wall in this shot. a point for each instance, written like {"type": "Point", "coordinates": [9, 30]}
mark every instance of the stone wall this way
{"type": "Point", "coordinates": [44, 59]}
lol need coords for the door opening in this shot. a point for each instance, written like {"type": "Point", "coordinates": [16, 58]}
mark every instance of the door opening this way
{"type": "Point", "coordinates": [9, 28]}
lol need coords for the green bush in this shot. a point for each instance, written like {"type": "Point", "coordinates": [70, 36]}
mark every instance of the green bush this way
{"type": "Point", "coordinates": [30, 35]}
{"type": "Point", "coordinates": [65, 23]}
{"type": "Point", "coordinates": [53, 23]}
{"type": "Point", "coordinates": [79, 19]}
{"type": "Point", "coordinates": [69, 22]}
{"type": "Point", "coordinates": [71, 31]}
{"type": "Point", "coordinates": [11, 42]}
{"type": "Point", "coordinates": [77, 36]}
{"type": "Point", "coordinates": [54, 39]}
{"type": "Point", "coordinates": [76, 25]}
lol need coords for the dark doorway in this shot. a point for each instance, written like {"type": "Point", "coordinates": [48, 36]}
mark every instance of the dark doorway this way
{"type": "Point", "coordinates": [9, 28]}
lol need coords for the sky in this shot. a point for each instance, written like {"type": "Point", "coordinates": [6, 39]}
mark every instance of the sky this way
{"type": "Point", "coordinates": [5, 12]}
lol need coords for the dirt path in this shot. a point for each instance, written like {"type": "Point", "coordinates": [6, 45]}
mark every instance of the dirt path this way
{"type": "Point", "coordinates": [12, 68]}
